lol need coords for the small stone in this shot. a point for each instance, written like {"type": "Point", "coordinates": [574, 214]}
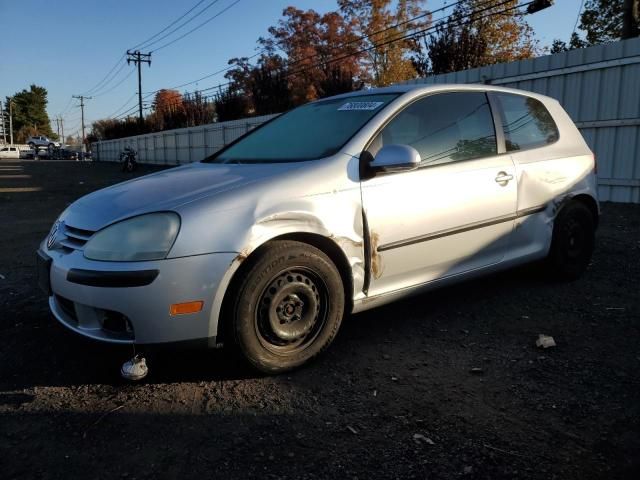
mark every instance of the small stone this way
{"type": "Point", "coordinates": [477, 370]}
{"type": "Point", "coordinates": [386, 356]}
{"type": "Point", "coordinates": [545, 341]}
{"type": "Point", "coordinates": [419, 438]}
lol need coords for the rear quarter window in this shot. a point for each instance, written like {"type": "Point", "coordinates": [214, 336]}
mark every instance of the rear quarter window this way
{"type": "Point", "coordinates": [526, 122]}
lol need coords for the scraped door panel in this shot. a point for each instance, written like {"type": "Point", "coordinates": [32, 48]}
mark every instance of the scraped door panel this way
{"type": "Point", "coordinates": [438, 221]}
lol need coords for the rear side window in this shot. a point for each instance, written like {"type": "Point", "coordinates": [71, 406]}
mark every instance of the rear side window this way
{"type": "Point", "coordinates": [526, 122]}
{"type": "Point", "coordinates": [443, 128]}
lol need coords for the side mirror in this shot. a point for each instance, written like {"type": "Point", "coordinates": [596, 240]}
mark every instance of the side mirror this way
{"type": "Point", "coordinates": [395, 158]}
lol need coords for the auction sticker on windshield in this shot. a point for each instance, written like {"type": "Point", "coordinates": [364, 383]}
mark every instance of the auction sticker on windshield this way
{"type": "Point", "coordinates": [360, 105]}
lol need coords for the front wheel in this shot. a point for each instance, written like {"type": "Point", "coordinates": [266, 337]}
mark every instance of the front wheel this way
{"type": "Point", "coordinates": [288, 306]}
{"type": "Point", "coordinates": [573, 241]}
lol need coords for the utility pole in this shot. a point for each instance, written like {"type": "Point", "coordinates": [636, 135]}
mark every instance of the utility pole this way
{"type": "Point", "coordinates": [58, 126]}
{"type": "Point", "coordinates": [62, 129]}
{"type": "Point", "coordinates": [4, 132]}
{"type": "Point", "coordinates": [82, 99]}
{"type": "Point", "coordinates": [630, 14]}
{"type": "Point", "coordinates": [11, 120]}
{"type": "Point", "coordinates": [139, 58]}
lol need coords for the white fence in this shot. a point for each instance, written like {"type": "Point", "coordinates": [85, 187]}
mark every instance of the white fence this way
{"type": "Point", "coordinates": [175, 147]}
{"type": "Point", "coordinates": [600, 89]}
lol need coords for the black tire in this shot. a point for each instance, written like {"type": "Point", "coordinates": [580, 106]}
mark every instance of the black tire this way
{"type": "Point", "coordinates": [572, 243]}
{"type": "Point", "coordinates": [32, 145]}
{"type": "Point", "coordinates": [51, 146]}
{"type": "Point", "coordinates": [302, 298]}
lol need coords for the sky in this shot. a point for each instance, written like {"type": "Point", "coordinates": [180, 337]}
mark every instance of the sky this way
{"type": "Point", "coordinates": [69, 47]}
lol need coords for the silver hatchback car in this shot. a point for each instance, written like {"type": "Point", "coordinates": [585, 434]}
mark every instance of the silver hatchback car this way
{"type": "Point", "coordinates": [337, 206]}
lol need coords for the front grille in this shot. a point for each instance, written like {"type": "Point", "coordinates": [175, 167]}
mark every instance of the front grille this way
{"type": "Point", "coordinates": [75, 238]}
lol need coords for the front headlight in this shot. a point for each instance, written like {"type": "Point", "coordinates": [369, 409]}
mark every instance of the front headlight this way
{"type": "Point", "coordinates": [147, 237]}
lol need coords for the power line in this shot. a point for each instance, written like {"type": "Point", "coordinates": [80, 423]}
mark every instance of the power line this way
{"type": "Point", "coordinates": [196, 15]}
{"type": "Point", "coordinates": [342, 45]}
{"type": "Point", "coordinates": [578, 17]}
{"type": "Point", "coordinates": [471, 18]}
{"type": "Point", "coordinates": [196, 28]}
{"type": "Point", "coordinates": [99, 84]}
{"type": "Point", "coordinates": [123, 106]}
{"type": "Point", "coordinates": [140, 45]}
{"type": "Point", "coordinates": [115, 86]}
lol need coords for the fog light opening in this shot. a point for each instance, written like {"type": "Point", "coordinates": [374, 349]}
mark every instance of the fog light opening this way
{"type": "Point", "coordinates": [115, 322]}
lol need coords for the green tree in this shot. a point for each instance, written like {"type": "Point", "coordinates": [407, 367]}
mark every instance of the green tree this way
{"type": "Point", "coordinates": [576, 42]}
{"type": "Point", "coordinates": [30, 113]}
{"type": "Point", "coordinates": [455, 45]}
{"type": "Point", "coordinates": [602, 20]}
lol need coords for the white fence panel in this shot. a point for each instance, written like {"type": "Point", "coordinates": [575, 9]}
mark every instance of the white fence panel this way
{"type": "Point", "coordinates": [600, 89]}
{"type": "Point", "coordinates": [175, 147]}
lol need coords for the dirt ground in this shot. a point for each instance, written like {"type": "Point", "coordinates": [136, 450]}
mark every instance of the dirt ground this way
{"type": "Point", "coordinates": [394, 397]}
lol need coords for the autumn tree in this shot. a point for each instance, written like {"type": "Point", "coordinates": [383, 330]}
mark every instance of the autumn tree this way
{"type": "Point", "coordinates": [314, 46]}
{"type": "Point", "coordinates": [386, 58]}
{"type": "Point", "coordinates": [503, 29]}
{"type": "Point", "coordinates": [168, 101]}
{"type": "Point", "coordinates": [168, 110]}
{"type": "Point", "coordinates": [196, 110]}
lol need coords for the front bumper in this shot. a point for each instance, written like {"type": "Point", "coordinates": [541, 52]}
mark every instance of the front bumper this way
{"type": "Point", "coordinates": [129, 314]}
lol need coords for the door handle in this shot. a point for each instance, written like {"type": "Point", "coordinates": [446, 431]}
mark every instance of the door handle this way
{"type": "Point", "coordinates": [503, 178]}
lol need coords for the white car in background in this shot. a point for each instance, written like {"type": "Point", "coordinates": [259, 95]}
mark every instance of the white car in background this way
{"type": "Point", "coordinates": [9, 152]}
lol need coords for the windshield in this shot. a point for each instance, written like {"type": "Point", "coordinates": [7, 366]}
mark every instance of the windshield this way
{"type": "Point", "coordinates": [309, 132]}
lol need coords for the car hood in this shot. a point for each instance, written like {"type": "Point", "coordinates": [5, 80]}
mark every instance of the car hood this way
{"type": "Point", "coordinates": [164, 190]}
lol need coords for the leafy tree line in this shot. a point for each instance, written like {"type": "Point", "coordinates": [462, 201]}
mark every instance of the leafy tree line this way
{"type": "Point", "coordinates": [29, 108]}
{"type": "Point", "coordinates": [308, 55]}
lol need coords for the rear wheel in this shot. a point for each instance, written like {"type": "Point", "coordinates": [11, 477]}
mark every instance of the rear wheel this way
{"type": "Point", "coordinates": [288, 307]}
{"type": "Point", "coordinates": [573, 241]}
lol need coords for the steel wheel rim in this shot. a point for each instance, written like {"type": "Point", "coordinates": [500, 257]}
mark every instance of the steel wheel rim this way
{"type": "Point", "coordinates": [574, 240]}
{"type": "Point", "coordinates": [291, 311]}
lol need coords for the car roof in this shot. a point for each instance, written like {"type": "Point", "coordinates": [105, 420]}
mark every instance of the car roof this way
{"type": "Point", "coordinates": [440, 87]}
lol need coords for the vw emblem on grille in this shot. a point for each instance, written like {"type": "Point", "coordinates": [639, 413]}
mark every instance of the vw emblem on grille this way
{"type": "Point", "coordinates": [53, 234]}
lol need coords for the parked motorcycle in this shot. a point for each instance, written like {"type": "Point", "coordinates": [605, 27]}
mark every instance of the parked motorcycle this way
{"type": "Point", "coordinates": [128, 160]}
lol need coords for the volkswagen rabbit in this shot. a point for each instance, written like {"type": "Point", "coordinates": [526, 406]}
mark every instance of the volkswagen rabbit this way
{"type": "Point", "coordinates": [335, 207]}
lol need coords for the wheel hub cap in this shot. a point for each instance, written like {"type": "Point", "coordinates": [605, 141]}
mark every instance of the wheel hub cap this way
{"type": "Point", "coordinates": [291, 306]}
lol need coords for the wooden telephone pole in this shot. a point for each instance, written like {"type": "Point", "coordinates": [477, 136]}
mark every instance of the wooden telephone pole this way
{"type": "Point", "coordinates": [139, 58]}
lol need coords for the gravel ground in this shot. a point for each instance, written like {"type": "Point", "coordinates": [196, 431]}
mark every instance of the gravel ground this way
{"type": "Point", "coordinates": [395, 396]}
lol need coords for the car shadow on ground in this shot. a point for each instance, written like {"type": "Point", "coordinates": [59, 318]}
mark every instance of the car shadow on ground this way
{"type": "Point", "coordinates": [81, 361]}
